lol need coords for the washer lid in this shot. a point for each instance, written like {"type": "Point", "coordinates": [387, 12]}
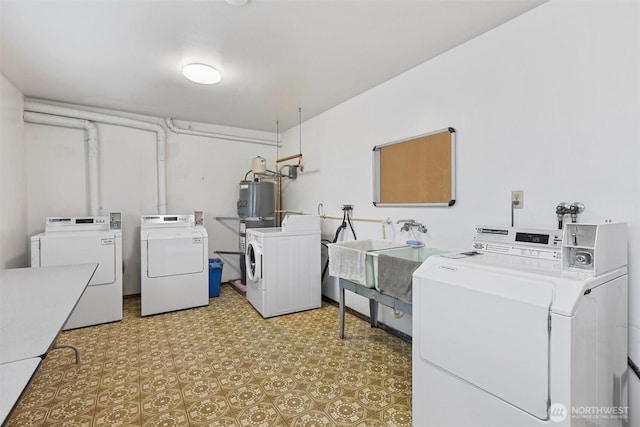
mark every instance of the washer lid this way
{"type": "Point", "coordinates": [172, 254]}
{"type": "Point", "coordinates": [489, 329]}
{"type": "Point", "coordinates": [79, 248]}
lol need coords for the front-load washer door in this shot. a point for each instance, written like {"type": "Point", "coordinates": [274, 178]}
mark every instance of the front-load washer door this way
{"type": "Point", "coordinates": [79, 248]}
{"type": "Point", "coordinates": [488, 328]}
{"type": "Point", "coordinates": [254, 262]}
{"type": "Point", "coordinates": [173, 254]}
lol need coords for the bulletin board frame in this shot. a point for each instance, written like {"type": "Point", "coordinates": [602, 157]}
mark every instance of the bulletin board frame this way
{"type": "Point", "coordinates": [416, 171]}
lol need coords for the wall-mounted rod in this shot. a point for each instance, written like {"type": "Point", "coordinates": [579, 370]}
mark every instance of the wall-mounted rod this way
{"type": "Point", "coordinates": [284, 159]}
{"type": "Point", "coordinates": [383, 222]}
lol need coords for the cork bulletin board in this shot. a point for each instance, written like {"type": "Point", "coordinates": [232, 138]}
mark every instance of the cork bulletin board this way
{"type": "Point", "coordinates": [417, 171]}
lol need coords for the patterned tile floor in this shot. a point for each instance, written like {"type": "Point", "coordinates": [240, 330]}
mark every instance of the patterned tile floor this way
{"type": "Point", "coordinates": [223, 365]}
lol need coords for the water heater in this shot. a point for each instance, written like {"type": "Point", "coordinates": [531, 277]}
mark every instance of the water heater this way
{"type": "Point", "coordinates": [257, 199]}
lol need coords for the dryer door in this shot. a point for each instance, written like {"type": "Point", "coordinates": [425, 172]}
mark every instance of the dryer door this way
{"type": "Point", "coordinates": [78, 248]}
{"type": "Point", "coordinates": [488, 328]}
{"type": "Point", "coordinates": [254, 262]}
{"type": "Point", "coordinates": [172, 254]}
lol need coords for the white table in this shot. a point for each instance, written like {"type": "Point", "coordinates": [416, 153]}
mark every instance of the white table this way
{"type": "Point", "coordinates": [35, 303]}
{"type": "Point", "coordinates": [14, 378]}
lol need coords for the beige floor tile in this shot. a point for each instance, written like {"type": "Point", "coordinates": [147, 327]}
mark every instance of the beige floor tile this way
{"type": "Point", "coordinates": [223, 366]}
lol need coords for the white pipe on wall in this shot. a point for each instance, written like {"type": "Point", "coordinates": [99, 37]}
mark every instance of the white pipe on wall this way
{"type": "Point", "coordinates": [93, 158]}
{"type": "Point", "coordinates": [161, 137]}
{"type": "Point", "coordinates": [175, 129]}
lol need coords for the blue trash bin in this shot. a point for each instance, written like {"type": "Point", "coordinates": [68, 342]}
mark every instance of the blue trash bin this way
{"type": "Point", "coordinates": [215, 276]}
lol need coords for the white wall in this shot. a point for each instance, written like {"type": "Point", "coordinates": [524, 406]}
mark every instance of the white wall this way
{"type": "Point", "coordinates": [548, 103]}
{"type": "Point", "coordinates": [13, 178]}
{"type": "Point", "coordinates": [202, 174]}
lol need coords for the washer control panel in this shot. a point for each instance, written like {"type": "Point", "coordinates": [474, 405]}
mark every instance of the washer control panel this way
{"type": "Point", "coordinates": [152, 221]}
{"type": "Point", "coordinates": [80, 223]}
{"type": "Point", "coordinates": [524, 242]}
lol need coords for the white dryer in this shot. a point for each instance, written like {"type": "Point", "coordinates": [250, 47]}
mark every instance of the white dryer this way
{"type": "Point", "coordinates": [78, 240]}
{"type": "Point", "coordinates": [506, 335]}
{"type": "Point", "coordinates": [283, 266]}
{"type": "Point", "coordinates": [174, 263]}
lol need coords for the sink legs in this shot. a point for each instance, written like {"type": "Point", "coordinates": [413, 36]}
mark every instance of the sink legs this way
{"type": "Point", "coordinates": [374, 297]}
{"type": "Point", "coordinates": [373, 312]}
{"type": "Point", "coordinates": [341, 310]}
{"type": "Point", "coordinates": [360, 290]}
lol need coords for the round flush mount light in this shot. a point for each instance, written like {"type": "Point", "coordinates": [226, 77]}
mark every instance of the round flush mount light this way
{"type": "Point", "coordinates": [202, 73]}
{"type": "Point", "coordinates": [237, 2]}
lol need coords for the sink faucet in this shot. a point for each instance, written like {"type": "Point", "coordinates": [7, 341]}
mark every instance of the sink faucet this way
{"type": "Point", "coordinates": [411, 223]}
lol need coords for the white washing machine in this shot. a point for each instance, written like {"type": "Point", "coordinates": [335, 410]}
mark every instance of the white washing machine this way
{"type": "Point", "coordinates": [78, 240]}
{"type": "Point", "coordinates": [283, 266]}
{"type": "Point", "coordinates": [174, 263]}
{"type": "Point", "coordinates": [508, 335]}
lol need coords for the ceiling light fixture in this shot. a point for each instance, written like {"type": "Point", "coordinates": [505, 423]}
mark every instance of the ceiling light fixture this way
{"type": "Point", "coordinates": [202, 74]}
{"type": "Point", "coordinates": [237, 2]}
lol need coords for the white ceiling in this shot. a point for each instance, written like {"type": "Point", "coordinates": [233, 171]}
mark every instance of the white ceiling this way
{"type": "Point", "coordinates": [275, 55]}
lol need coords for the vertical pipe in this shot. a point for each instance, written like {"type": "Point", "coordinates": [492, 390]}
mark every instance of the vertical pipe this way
{"type": "Point", "coordinates": [93, 168]}
{"type": "Point", "coordinates": [93, 152]}
{"type": "Point", "coordinates": [161, 137]}
{"type": "Point", "coordinates": [161, 153]}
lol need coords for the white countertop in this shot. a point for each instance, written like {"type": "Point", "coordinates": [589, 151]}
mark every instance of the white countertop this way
{"type": "Point", "coordinates": [14, 377]}
{"type": "Point", "coordinates": [34, 306]}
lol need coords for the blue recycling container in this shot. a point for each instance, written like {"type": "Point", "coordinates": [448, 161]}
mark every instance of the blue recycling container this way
{"type": "Point", "coordinates": [215, 276]}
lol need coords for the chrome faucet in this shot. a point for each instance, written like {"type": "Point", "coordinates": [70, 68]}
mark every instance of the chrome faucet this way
{"type": "Point", "coordinates": [411, 223]}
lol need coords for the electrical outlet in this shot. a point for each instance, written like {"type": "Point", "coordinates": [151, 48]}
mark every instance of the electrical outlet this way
{"type": "Point", "coordinates": [517, 199]}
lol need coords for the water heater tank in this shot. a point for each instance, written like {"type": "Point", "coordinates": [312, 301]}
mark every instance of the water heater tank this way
{"type": "Point", "coordinates": [257, 199]}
